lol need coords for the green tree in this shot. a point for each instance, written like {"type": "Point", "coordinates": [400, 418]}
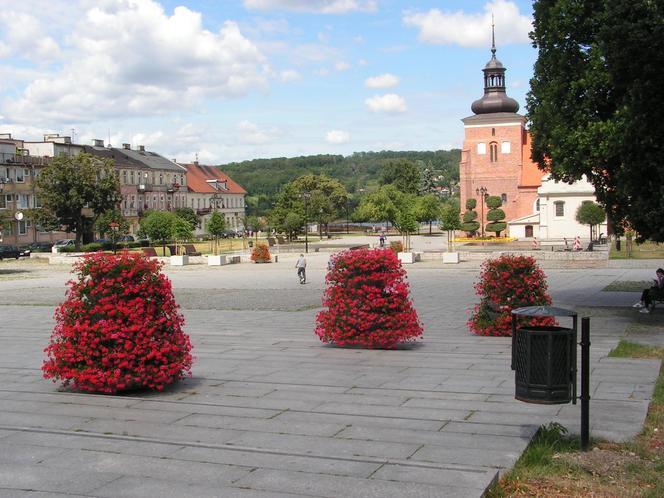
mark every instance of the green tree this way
{"type": "Point", "coordinates": [495, 215]}
{"type": "Point", "coordinates": [181, 232]}
{"type": "Point", "coordinates": [595, 104]}
{"type": "Point", "coordinates": [215, 228]}
{"type": "Point", "coordinates": [450, 221]}
{"type": "Point", "coordinates": [76, 190]}
{"type": "Point", "coordinates": [427, 184]}
{"type": "Point", "coordinates": [592, 214]}
{"type": "Point", "coordinates": [403, 174]}
{"type": "Point", "coordinates": [158, 226]}
{"type": "Point", "coordinates": [427, 209]}
{"type": "Point", "coordinates": [292, 225]}
{"type": "Point", "coordinates": [470, 224]}
{"type": "Point", "coordinates": [111, 216]}
{"type": "Point", "coordinates": [188, 214]}
{"type": "Point", "coordinates": [383, 205]}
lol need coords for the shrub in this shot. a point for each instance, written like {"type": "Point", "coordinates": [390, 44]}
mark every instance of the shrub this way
{"type": "Point", "coordinates": [67, 249]}
{"type": "Point", "coordinates": [261, 254]}
{"type": "Point", "coordinates": [91, 247]}
{"type": "Point", "coordinates": [507, 283]}
{"type": "Point", "coordinates": [396, 246]}
{"type": "Point", "coordinates": [367, 301]}
{"type": "Point", "coordinates": [118, 329]}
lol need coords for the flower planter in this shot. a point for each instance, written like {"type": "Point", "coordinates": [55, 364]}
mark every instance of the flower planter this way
{"type": "Point", "coordinates": [451, 257]}
{"type": "Point", "coordinates": [216, 260]}
{"type": "Point", "coordinates": [179, 260]}
{"type": "Point", "coordinates": [406, 257]}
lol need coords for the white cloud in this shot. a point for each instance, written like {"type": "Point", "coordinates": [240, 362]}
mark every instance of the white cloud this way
{"type": "Point", "coordinates": [316, 6]}
{"type": "Point", "coordinates": [342, 66]}
{"type": "Point", "coordinates": [289, 75]}
{"type": "Point", "coordinates": [383, 81]}
{"type": "Point", "coordinates": [23, 36]}
{"type": "Point", "coordinates": [472, 30]}
{"type": "Point", "coordinates": [252, 134]}
{"type": "Point", "coordinates": [322, 71]}
{"type": "Point", "coordinates": [390, 103]}
{"type": "Point", "coordinates": [131, 58]}
{"type": "Point", "coordinates": [337, 137]}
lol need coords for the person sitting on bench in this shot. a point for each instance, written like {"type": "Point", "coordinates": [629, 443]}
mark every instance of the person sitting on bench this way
{"type": "Point", "coordinates": [654, 292]}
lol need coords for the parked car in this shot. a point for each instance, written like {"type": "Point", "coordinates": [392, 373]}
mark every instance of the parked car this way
{"type": "Point", "coordinates": [24, 252]}
{"type": "Point", "coordinates": [41, 246]}
{"type": "Point", "coordinates": [64, 243]}
{"type": "Point", "coordinates": [127, 238]}
{"type": "Point", "coordinates": [7, 252]}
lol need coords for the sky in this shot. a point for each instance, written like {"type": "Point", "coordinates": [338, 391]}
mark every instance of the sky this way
{"type": "Point", "coordinates": [230, 80]}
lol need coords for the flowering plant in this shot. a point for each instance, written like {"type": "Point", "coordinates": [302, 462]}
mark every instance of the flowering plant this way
{"type": "Point", "coordinates": [367, 301]}
{"type": "Point", "coordinates": [507, 283]}
{"type": "Point", "coordinates": [396, 246]}
{"type": "Point", "coordinates": [261, 254]}
{"type": "Point", "coordinates": [119, 328]}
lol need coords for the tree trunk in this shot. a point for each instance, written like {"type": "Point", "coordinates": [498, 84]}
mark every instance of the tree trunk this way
{"type": "Point", "coordinates": [430, 223]}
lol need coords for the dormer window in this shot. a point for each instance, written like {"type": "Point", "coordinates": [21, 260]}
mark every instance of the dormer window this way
{"type": "Point", "coordinates": [218, 184]}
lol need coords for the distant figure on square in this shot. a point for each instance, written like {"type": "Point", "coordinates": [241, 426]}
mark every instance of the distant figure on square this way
{"type": "Point", "coordinates": [536, 244]}
{"type": "Point", "coordinates": [301, 266]}
{"type": "Point", "coordinates": [381, 240]}
{"type": "Point", "coordinates": [654, 292]}
{"type": "Point", "coordinates": [577, 243]}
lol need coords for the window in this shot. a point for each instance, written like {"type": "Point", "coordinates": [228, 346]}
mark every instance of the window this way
{"type": "Point", "coordinates": [537, 205]}
{"type": "Point", "coordinates": [493, 132]}
{"type": "Point", "coordinates": [529, 231]}
{"type": "Point", "coordinates": [505, 147]}
{"type": "Point", "coordinates": [124, 177]}
{"type": "Point", "coordinates": [560, 208]}
{"type": "Point", "coordinates": [131, 176]}
{"type": "Point", "coordinates": [3, 202]}
{"type": "Point", "coordinates": [23, 201]}
{"type": "Point", "coordinates": [503, 198]}
{"type": "Point", "coordinates": [493, 149]}
{"type": "Point", "coordinates": [22, 228]}
{"type": "Point", "coordinates": [481, 148]}
{"type": "Point", "coordinates": [19, 176]}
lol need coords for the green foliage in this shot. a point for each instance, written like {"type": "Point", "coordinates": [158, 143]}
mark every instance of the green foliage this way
{"type": "Point", "coordinates": [403, 174]}
{"type": "Point", "coordinates": [470, 227]}
{"type": "Point", "coordinates": [111, 216]}
{"type": "Point", "coordinates": [495, 215]}
{"type": "Point", "coordinates": [427, 183]}
{"type": "Point", "coordinates": [71, 185]}
{"type": "Point", "coordinates": [595, 103]}
{"type": "Point", "coordinates": [181, 230]}
{"type": "Point", "coordinates": [216, 225]}
{"type": "Point", "coordinates": [43, 219]}
{"type": "Point", "coordinates": [590, 213]}
{"type": "Point", "coordinates": [382, 205]}
{"type": "Point", "coordinates": [157, 225]}
{"type": "Point", "coordinates": [449, 217]}
{"type": "Point", "coordinates": [471, 203]}
{"type": "Point", "coordinates": [496, 227]}
{"type": "Point", "coordinates": [92, 247]}
{"type": "Point", "coordinates": [427, 208]}
{"type": "Point", "coordinates": [292, 224]}
{"type": "Point", "coordinates": [406, 222]}
{"type": "Point", "coordinates": [469, 216]}
{"type": "Point", "coordinates": [188, 214]}
{"type": "Point", "coordinates": [493, 201]}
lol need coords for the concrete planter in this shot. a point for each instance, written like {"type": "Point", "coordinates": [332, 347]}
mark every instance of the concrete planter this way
{"type": "Point", "coordinates": [406, 257]}
{"type": "Point", "coordinates": [451, 257]}
{"type": "Point", "coordinates": [216, 260]}
{"type": "Point", "coordinates": [179, 260]}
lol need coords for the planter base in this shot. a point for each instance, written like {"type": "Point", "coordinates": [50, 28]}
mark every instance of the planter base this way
{"type": "Point", "coordinates": [216, 260]}
{"type": "Point", "coordinates": [179, 260]}
{"type": "Point", "coordinates": [451, 257]}
{"type": "Point", "coordinates": [406, 257]}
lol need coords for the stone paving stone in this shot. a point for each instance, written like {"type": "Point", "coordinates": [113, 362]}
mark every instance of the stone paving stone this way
{"type": "Point", "coordinates": [42, 478]}
{"type": "Point", "coordinates": [360, 420]}
{"type": "Point", "coordinates": [135, 487]}
{"type": "Point", "coordinates": [282, 461]}
{"type": "Point", "coordinates": [394, 411]}
{"type": "Point", "coordinates": [261, 425]}
{"type": "Point", "coordinates": [26, 419]}
{"type": "Point", "coordinates": [75, 398]}
{"type": "Point", "coordinates": [474, 480]}
{"type": "Point", "coordinates": [14, 493]}
{"type": "Point", "coordinates": [330, 486]}
{"type": "Point", "coordinates": [165, 468]}
{"type": "Point", "coordinates": [208, 407]}
{"type": "Point", "coordinates": [325, 445]}
{"type": "Point", "coordinates": [26, 454]}
{"type": "Point", "coordinates": [470, 456]}
{"type": "Point", "coordinates": [523, 431]}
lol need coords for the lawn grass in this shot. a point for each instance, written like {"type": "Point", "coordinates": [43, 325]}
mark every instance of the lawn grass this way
{"type": "Point", "coordinates": [646, 250]}
{"type": "Point", "coordinates": [552, 465]}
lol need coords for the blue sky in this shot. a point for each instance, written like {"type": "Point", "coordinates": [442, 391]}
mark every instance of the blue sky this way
{"type": "Point", "coordinates": [242, 79]}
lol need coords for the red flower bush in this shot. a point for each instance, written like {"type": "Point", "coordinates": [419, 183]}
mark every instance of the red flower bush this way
{"type": "Point", "coordinates": [507, 283]}
{"type": "Point", "coordinates": [367, 300]}
{"type": "Point", "coordinates": [119, 328]}
{"type": "Point", "coordinates": [261, 254]}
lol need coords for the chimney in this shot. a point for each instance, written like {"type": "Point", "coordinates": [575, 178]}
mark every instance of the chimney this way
{"type": "Point", "coordinates": [97, 142]}
{"type": "Point", "coordinates": [51, 136]}
{"type": "Point", "coordinates": [141, 148]}
{"type": "Point", "coordinates": [126, 146]}
{"type": "Point", "coordinates": [5, 136]}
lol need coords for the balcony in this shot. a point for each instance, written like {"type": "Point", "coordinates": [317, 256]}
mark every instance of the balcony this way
{"type": "Point", "coordinates": [24, 160]}
{"type": "Point", "coordinates": [203, 211]}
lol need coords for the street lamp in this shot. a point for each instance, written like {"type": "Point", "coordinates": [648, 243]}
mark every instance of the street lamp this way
{"type": "Point", "coordinates": [114, 231]}
{"type": "Point", "coordinates": [482, 193]}
{"type": "Point", "coordinates": [306, 195]}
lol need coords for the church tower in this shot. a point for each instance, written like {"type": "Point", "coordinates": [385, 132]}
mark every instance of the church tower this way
{"type": "Point", "coordinates": [495, 158]}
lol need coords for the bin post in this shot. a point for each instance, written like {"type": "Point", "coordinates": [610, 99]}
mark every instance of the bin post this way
{"type": "Point", "coordinates": [585, 382]}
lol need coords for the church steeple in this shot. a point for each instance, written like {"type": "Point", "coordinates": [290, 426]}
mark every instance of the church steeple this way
{"type": "Point", "coordinates": [495, 98]}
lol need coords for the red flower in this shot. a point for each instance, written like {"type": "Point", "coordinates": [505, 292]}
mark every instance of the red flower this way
{"type": "Point", "coordinates": [119, 328]}
{"type": "Point", "coordinates": [367, 301]}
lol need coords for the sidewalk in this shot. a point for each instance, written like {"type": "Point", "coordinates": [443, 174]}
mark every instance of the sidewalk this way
{"type": "Point", "coordinates": [271, 412]}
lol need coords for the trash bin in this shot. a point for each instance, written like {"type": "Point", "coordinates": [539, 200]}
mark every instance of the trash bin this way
{"type": "Point", "coordinates": [544, 358]}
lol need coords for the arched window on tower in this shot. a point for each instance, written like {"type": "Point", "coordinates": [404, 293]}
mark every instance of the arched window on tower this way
{"type": "Point", "coordinates": [493, 150]}
{"type": "Point", "coordinates": [503, 198]}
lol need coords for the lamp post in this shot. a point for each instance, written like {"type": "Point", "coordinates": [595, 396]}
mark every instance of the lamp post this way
{"type": "Point", "coordinates": [482, 193]}
{"type": "Point", "coordinates": [306, 195]}
{"type": "Point", "coordinates": [114, 231]}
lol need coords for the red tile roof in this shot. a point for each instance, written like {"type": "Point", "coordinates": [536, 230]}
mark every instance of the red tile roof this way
{"type": "Point", "coordinates": [197, 176]}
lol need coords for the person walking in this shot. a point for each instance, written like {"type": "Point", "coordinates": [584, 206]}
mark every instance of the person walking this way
{"type": "Point", "coordinates": [654, 292]}
{"type": "Point", "coordinates": [536, 244]}
{"type": "Point", "coordinates": [301, 266]}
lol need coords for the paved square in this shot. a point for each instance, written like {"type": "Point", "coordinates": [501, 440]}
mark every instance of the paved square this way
{"type": "Point", "coordinates": [270, 411]}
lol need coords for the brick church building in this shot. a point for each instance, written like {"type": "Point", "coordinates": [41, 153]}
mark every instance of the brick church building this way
{"type": "Point", "coordinates": [495, 158]}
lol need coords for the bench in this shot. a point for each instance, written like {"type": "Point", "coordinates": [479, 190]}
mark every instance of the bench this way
{"type": "Point", "coordinates": [190, 250]}
{"type": "Point", "coordinates": [185, 249]}
{"type": "Point", "coordinates": [149, 252]}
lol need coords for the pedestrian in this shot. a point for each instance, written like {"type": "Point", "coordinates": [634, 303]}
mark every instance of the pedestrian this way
{"type": "Point", "coordinates": [566, 244]}
{"type": "Point", "coordinates": [381, 240]}
{"type": "Point", "coordinates": [536, 244]}
{"type": "Point", "coordinates": [577, 243]}
{"type": "Point", "coordinates": [301, 266]}
{"type": "Point", "coordinates": [654, 292]}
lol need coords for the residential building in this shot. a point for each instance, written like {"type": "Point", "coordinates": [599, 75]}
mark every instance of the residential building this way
{"type": "Point", "coordinates": [208, 190]}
